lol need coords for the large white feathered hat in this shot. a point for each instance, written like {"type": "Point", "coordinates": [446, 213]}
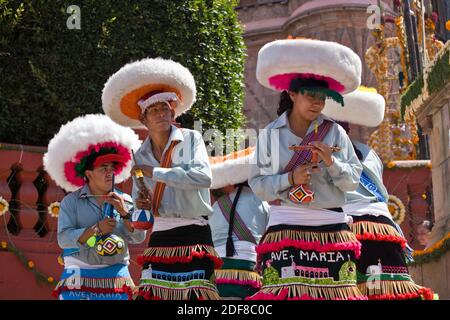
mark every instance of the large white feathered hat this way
{"type": "Point", "coordinates": [364, 107]}
{"type": "Point", "coordinates": [137, 85]}
{"type": "Point", "coordinates": [85, 142]}
{"type": "Point", "coordinates": [231, 169]}
{"type": "Point", "coordinates": [332, 66]}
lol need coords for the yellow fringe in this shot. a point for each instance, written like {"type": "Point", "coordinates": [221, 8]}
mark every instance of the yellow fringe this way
{"type": "Point", "coordinates": [361, 227]}
{"type": "Point", "coordinates": [389, 287]}
{"type": "Point", "coordinates": [181, 251]}
{"type": "Point", "coordinates": [236, 274]}
{"type": "Point", "coordinates": [324, 237]}
{"type": "Point", "coordinates": [181, 294]}
{"type": "Point", "coordinates": [329, 293]}
{"type": "Point", "coordinates": [116, 283]}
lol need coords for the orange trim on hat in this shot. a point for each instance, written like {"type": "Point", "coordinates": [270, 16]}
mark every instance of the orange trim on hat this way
{"type": "Point", "coordinates": [232, 156]}
{"type": "Point", "coordinates": [106, 158]}
{"type": "Point", "coordinates": [129, 102]}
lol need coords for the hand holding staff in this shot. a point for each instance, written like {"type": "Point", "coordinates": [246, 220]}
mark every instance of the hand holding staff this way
{"type": "Point", "coordinates": [144, 200]}
{"type": "Point", "coordinates": [318, 149]}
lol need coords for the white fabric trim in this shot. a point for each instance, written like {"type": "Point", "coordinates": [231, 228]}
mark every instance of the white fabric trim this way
{"type": "Point", "coordinates": [367, 208]}
{"type": "Point", "coordinates": [70, 262]}
{"type": "Point", "coordinates": [360, 107]}
{"type": "Point", "coordinates": [163, 224]}
{"type": "Point", "coordinates": [305, 216]}
{"type": "Point", "coordinates": [324, 58]}
{"type": "Point", "coordinates": [159, 97]}
{"type": "Point", "coordinates": [244, 250]}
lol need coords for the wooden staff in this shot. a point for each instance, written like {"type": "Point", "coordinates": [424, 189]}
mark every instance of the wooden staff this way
{"type": "Point", "coordinates": [144, 192]}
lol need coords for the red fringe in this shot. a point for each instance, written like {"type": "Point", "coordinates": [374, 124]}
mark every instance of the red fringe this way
{"type": "Point", "coordinates": [305, 245]}
{"type": "Point", "coordinates": [269, 296]}
{"type": "Point", "coordinates": [170, 260]}
{"type": "Point", "coordinates": [382, 237]}
{"type": "Point", "coordinates": [128, 291]}
{"type": "Point", "coordinates": [426, 293]}
{"type": "Point", "coordinates": [147, 295]}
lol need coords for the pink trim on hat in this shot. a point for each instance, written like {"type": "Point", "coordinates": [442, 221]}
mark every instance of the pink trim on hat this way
{"type": "Point", "coordinates": [69, 166]}
{"type": "Point", "coordinates": [282, 81]}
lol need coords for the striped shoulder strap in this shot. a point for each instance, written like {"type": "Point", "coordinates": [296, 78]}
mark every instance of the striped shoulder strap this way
{"type": "Point", "coordinates": [160, 186]}
{"type": "Point", "coordinates": [239, 227]}
{"type": "Point", "coordinates": [304, 156]}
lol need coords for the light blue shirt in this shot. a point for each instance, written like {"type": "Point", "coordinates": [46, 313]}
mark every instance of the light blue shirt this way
{"type": "Point", "coordinates": [269, 183]}
{"type": "Point", "coordinates": [253, 211]}
{"type": "Point", "coordinates": [373, 167]}
{"type": "Point", "coordinates": [76, 214]}
{"type": "Point", "coordinates": [186, 193]}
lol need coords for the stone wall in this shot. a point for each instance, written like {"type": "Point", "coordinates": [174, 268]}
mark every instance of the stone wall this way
{"type": "Point", "coordinates": [434, 275]}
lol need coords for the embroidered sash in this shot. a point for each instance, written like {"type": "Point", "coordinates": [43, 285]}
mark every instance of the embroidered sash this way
{"type": "Point", "coordinates": [160, 186]}
{"type": "Point", "coordinates": [239, 227]}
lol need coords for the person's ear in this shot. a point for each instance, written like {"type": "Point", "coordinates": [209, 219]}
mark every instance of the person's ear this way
{"type": "Point", "coordinates": [142, 118]}
{"type": "Point", "coordinates": [291, 95]}
{"type": "Point", "coordinates": [88, 174]}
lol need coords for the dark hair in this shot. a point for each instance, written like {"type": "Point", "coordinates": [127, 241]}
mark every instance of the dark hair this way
{"type": "Point", "coordinates": [285, 103]}
{"type": "Point", "coordinates": [358, 152]}
{"type": "Point", "coordinates": [243, 184]}
{"type": "Point", "coordinates": [295, 86]}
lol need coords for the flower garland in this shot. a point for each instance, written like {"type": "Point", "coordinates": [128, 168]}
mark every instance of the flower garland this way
{"type": "Point", "coordinates": [434, 78]}
{"type": "Point", "coordinates": [397, 209]}
{"type": "Point", "coordinates": [53, 209]}
{"type": "Point", "coordinates": [4, 206]}
{"type": "Point", "coordinates": [432, 253]}
{"type": "Point", "coordinates": [29, 264]}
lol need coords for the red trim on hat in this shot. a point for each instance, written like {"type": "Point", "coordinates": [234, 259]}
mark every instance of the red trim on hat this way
{"type": "Point", "coordinates": [111, 157]}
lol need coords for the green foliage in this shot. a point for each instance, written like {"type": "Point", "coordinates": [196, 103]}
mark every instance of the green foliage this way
{"type": "Point", "coordinates": [270, 276]}
{"type": "Point", "coordinates": [413, 91]}
{"type": "Point", "coordinates": [440, 74]}
{"type": "Point", "coordinates": [50, 74]}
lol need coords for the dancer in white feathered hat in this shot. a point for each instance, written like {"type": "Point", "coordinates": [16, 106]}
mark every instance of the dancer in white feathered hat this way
{"type": "Point", "coordinates": [305, 164]}
{"type": "Point", "coordinates": [87, 157]}
{"type": "Point", "coordinates": [176, 173]}
{"type": "Point", "coordinates": [384, 246]}
{"type": "Point", "coordinates": [138, 85]}
{"type": "Point", "coordinates": [237, 224]}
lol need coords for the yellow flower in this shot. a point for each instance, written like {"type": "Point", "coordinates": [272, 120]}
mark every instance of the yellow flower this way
{"type": "Point", "coordinates": [30, 264]}
{"type": "Point", "coordinates": [391, 164]}
{"type": "Point", "coordinates": [4, 245]}
{"type": "Point", "coordinates": [447, 25]}
{"type": "Point", "coordinates": [53, 209]}
{"type": "Point", "coordinates": [4, 206]}
{"type": "Point", "coordinates": [60, 260]}
{"type": "Point", "coordinates": [424, 196]}
{"type": "Point", "coordinates": [50, 279]}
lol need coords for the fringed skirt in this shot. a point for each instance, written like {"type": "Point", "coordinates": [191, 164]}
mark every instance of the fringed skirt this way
{"type": "Point", "coordinates": [237, 279]}
{"type": "Point", "coordinates": [179, 265]}
{"type": "Point", "coordinates": [108, 283]}
{"type": "Point", "coordinates": [382, 272]}
{"type": "Point", "coordinates": [308, 263]}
